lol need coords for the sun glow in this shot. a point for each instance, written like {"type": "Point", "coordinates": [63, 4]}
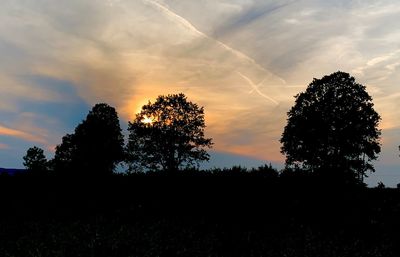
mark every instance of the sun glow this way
{"type": "Point", "coordinates": [147, 120]}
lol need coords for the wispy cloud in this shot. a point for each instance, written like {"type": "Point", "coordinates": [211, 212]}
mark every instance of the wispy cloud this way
{"type": "Point", "coordinates": [4, 146]}
{"type": "Point", "coordinates": [4, 131]}
{"type": "Point", "coordinates": [193, 29]}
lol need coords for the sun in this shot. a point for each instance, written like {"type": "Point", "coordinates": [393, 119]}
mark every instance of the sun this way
{"type": "Point", "coordinates": [147, 120]}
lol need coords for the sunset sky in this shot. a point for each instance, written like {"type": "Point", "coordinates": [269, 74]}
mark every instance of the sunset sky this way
{"type": "Point", "coordinates": [243, 60]}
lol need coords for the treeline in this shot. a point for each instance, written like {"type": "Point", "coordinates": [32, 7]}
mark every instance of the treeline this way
{"type": "Point", "coordinates": [231, 212]}
{"type": "Point", "coordinates": [332, 132]}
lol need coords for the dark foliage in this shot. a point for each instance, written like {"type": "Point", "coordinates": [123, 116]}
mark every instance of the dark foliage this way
{"type": "Point", "coordinates": [35, 161]}
{"type": "Point", "coordinates": [194, 214]}
{"type": "Point", "coordinates": [168, 135]}
{"type": "Point", "coordinates": [65, 158]}
{"type": "Point", "coordinates": [333, 128]}
{"type": "Point", "coordinates": [96, 146]}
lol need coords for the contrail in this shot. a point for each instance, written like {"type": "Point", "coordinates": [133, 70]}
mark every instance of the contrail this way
{"type": "Point", "coordinates": [180, 19]}
{"type": "Point", "coordinates": [192, 28]}
{"type": "Point", "coordinates": [255, 88]}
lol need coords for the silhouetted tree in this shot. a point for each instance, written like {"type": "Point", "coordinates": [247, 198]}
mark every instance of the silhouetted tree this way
{"type": "Point", "coordinates": [96, 146]}
{"type": "Point", "coordinates": [35, 160]}
{"type": "Point", "coordinates": [380, 185]}
{"type": "Point", "coordinates": [333, 127]}
{"type": "Point", "coordinates": [168, 135]}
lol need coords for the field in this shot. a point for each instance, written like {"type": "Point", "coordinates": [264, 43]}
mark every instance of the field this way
{"type": "Point", "coordinates": [194, 216]}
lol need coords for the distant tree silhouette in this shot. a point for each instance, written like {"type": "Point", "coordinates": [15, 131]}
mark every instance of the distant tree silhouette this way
{"type": "Point", "coordinates": [35, 160]}
{"type": "Point", "coordinates": [168, 135]}
{"type": "Point", "coordinates": [380, 185]}
{"type": "Point", "coordinates": [95, 147]}
{"type": "Point", "coordinates": [333, 127]}
{"type": "Point", "coordinates": [266, 171]}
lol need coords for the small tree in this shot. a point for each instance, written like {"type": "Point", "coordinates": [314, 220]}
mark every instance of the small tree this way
{"type": "Point", "coordinates": [95, 147]}
{"type": "Point", "coordinates": [380, 185]}
{"type": "Point", "coordinates": [168, 135]}
{"type": "Point", "coordinates": [333, 127]}
{"type": "Point", "coordinates": [35, 160]}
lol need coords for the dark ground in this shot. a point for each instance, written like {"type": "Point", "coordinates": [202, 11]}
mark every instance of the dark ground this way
{"type": "Point", "coordinates": [194, 216]}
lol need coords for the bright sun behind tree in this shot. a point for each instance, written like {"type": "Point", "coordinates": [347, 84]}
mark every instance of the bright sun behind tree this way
{"type": "Point", "coordinates": [147, 120]}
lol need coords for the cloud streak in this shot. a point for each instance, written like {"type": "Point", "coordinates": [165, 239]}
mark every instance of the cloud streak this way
{"type": "Point", "coordinates": [4, 131]}
{"type": "Point", "coordinates": [4, 146]}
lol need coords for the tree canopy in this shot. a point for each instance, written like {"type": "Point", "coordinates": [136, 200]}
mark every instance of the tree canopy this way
{"type": "Point", "coordinates": [333, 127]}
{"type": "Point", "coordinates": [95, 146]}
{"type": "Point", "coordinates": [35, 160]}
{"type": "Point", "coordinates": [168, 135]}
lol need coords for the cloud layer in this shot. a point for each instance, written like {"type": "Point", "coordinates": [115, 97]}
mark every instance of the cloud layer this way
{"type": "Point", "coordinates": [243, 60]}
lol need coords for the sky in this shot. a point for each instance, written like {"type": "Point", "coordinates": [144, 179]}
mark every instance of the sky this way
{"type": "Point", "coordinates": [243, 60]}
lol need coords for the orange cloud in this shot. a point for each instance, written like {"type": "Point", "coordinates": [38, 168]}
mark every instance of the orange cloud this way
{"type": "Point", "coordinates": [51, 148]}
{"type": "Point", "coordinates": [3, 146]}
{"type": "Point", "coordinates": [4, 131]}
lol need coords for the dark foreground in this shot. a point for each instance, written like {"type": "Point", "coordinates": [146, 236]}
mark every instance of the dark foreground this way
{"type": "Point", "coordinates": [194, 216]}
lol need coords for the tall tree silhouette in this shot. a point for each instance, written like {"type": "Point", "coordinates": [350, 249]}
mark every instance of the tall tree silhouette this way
{"type": "Point", "coordinates": [95, 147]}
{"type": "Point", "coordinates": [168, 135]}
{"type": "Point", "coordinates": [333, 127]}
{"type": "Point", "coordinates": [35, 160]}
